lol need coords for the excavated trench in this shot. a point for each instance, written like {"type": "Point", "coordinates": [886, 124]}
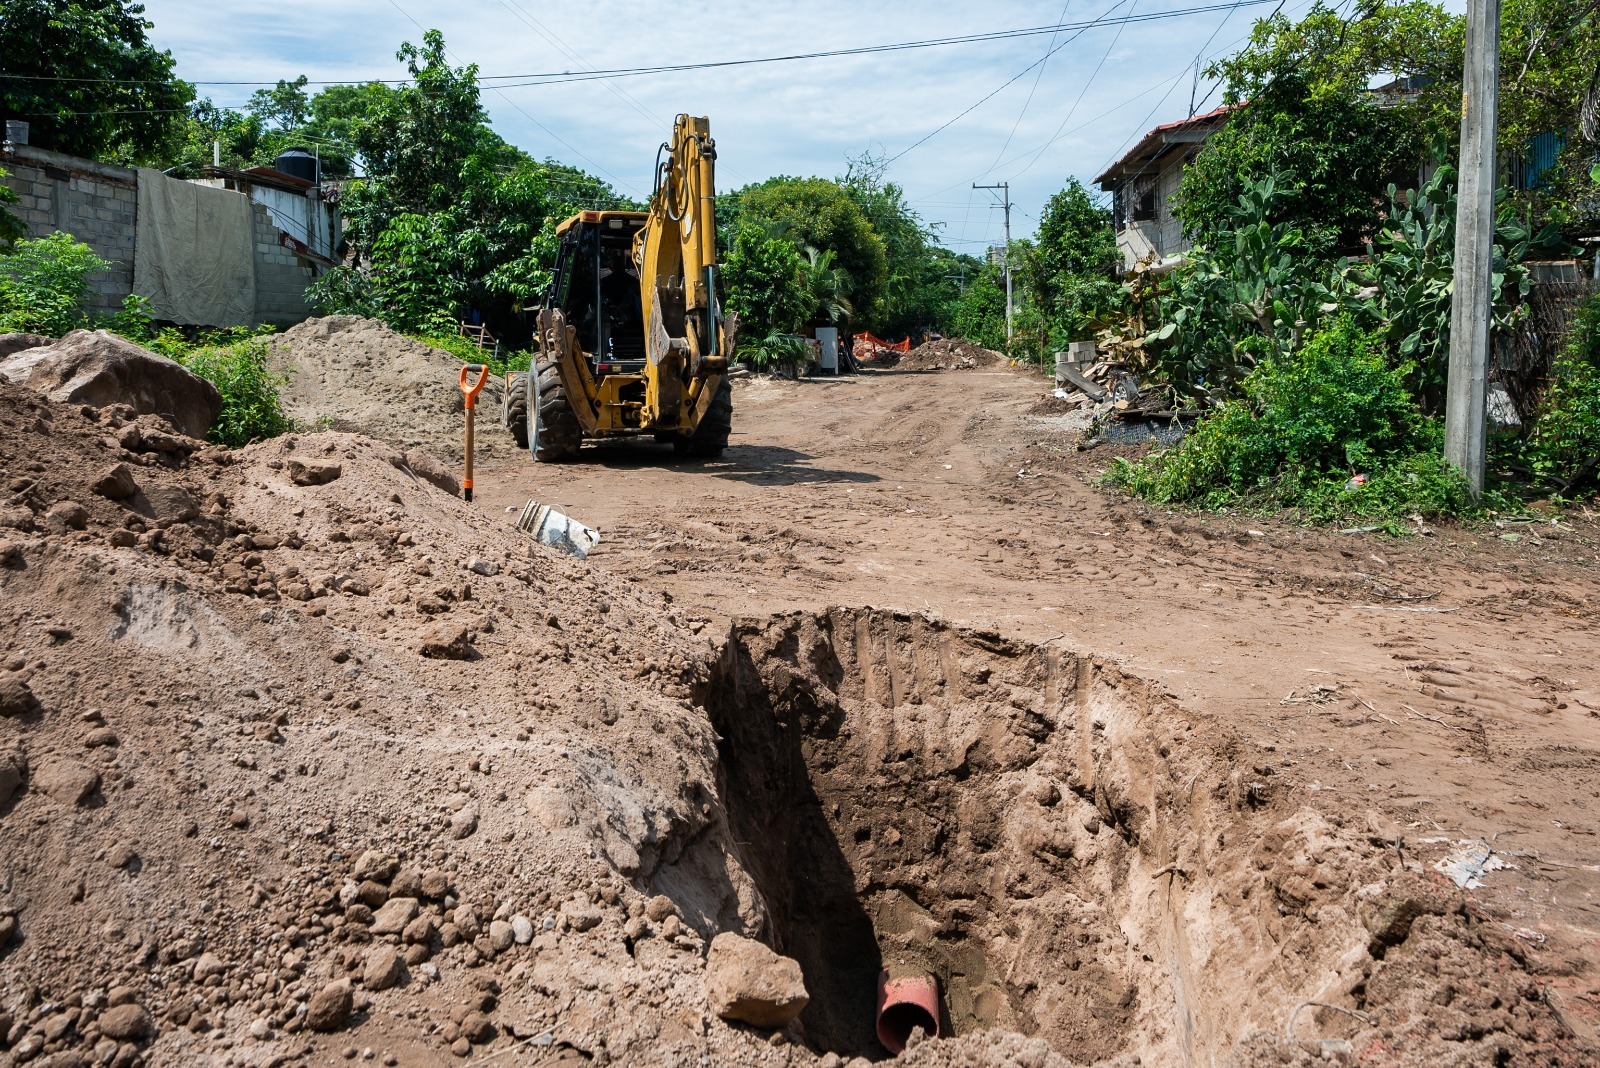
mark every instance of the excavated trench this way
{"type": "Point", "coordinates": [1066, 852]}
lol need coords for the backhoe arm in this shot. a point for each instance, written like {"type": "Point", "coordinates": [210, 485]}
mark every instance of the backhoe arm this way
{"type": "Point", "coordinates": [676, 253]}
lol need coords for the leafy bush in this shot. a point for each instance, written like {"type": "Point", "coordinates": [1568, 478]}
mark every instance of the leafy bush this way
{"type": "Point", "coordinates": [43, 282]}
{"type": "Point", "coordinates": [11, 227]}
{"type": "Point", "coordinates": [1309, 422]}
{"type": "Point", "coordinates": [784, 353]}
{"type": "Point", "coordinates": [252, 407]}
{"type": "Point", "coordinates": [1563, 445]}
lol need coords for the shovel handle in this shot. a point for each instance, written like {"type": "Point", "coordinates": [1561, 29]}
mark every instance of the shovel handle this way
{"type": "Point", "coordinates": [470, 393]}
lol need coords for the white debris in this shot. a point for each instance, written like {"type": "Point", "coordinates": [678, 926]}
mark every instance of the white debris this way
{"type": "Point", "coordinates": [1470, 862]}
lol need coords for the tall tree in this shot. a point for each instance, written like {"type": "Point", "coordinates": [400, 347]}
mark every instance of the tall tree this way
{"type": "Point", "coordinates": [823, 215]}
{"type": "Point", "coordinates": [86, 79]}
{"type": "Point", "coordinates": [1075, 233]}
{"type": "Point", "coordinates": [284, 107]}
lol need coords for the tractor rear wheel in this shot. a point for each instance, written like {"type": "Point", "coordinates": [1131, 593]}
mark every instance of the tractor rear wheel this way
{"type": "Point", "coordinates": [514, 412]}
{"type": "Point", "coordinates": [711, 436]}
{"type": "Point", "coordinates": [556, 433]}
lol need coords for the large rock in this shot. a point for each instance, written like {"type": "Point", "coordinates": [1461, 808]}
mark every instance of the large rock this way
{"type": "Point", "coordinates": [748, 982]}
{"type": "Point", "coordinates": [330, 1007]}
{"type": "Point", "coordinates": [66, 781]}
{"type": "Point", "coordinates": [98, 368]}
{"type": "Point", "coordinates": [10, 343]}
{"type": "Point", "coordinates": [126, 1023]}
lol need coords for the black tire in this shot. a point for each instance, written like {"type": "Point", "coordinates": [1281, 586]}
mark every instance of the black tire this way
{"type": "Point", "coordinates": [514, 412]}
{"type": "Point", "coordinates": [556, 432]}
{"type": "Point", "coordinates": [711, 436]}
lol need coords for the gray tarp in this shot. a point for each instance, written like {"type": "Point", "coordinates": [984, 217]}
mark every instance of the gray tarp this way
{"type": "Point", "coordinates": [194, 252]}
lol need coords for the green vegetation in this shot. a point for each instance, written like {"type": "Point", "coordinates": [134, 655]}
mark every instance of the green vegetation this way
{"type": "Point", "coordinates": [252, 407]}
{"type": "Point", "coordinates": [43, 282]}
{"type": "Point", "coordinates": [84, 76]}
{"type": "Point", "coordinates": [1308, 424]}
{"type": "Point", "coordinates": [1562, 448]}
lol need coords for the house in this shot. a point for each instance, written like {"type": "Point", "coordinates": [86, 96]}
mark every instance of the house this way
{"type": "Point", "coordinates": [1144, 182]}
{"type": "Point", "coordinates": [237, 249]}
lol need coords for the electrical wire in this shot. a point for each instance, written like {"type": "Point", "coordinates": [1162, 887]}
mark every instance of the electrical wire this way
{"type": "Point", "coordinates": [558, 77]}
{"type": "Point", "coordinates": [554, 136]}
{"type": "Point", "coordinates": [924, 139]}
{"type": "Point", "coordinates": [1081, 94]}
{"type": "Point", "coordinates": [1037, 78]}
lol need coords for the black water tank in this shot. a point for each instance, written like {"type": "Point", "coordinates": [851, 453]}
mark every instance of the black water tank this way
{"type": "Point", "coordinates": [297, 163]}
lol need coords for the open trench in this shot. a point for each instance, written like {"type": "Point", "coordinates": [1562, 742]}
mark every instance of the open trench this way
{"type": "Point", "coordinates": [1067, 852]}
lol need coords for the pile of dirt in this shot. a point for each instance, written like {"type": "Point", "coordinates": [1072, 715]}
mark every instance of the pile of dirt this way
{"type": "Point", "coordinates": [948, 354]}
{"type": "Point", "coordinates": [300, 755]}
{"type": "Point", "coordinates": [357, 375]}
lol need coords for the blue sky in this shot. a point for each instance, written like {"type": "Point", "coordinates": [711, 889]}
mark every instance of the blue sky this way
{"type": "Point", "coordinates": [1071, 115]}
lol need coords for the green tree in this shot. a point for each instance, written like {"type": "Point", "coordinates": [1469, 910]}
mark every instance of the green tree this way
{"type": "Point", "coordinates": [915, 290]}
{"type": "Point", "coordinates": [1075, 234]}
{"type": "Point", "coordinates": [285, 107]}
{"type": "Point", "coordinates": [980, 314]}
{"type": "Point", "coordinates": [822, 214]}
{"type": "Point", "coordinates": [1333, 154]}
{"type": "Point", "coordinates": [85, 77]}
{"type": "Point", "coordinates": [761, 278]}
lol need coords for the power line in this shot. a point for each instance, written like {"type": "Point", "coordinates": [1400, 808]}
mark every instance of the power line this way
{"type": "Point", "coordinates": [558, 77]}
{"type": "Point", "coordinates": [513, 103]}
{"type": "Point", "coordinates": [989, 96]}
{"type": "Point", "coordinates": [1037, 78]}
{"type": "Point", "coordinates": [1081, 94]}
{"type": "Point", "coordinates": [1104, 21]}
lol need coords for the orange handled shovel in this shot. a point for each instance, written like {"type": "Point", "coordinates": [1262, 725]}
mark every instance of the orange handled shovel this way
{"type": "Point", "coordinates": [470, 397]}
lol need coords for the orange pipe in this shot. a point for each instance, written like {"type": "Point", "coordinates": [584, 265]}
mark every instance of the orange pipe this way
{"type": "Point", "coordinates": [905, 1004]}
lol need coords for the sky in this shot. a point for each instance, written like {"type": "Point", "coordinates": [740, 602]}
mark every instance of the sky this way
{"type": "Point", "coordinates": [1069, 113]}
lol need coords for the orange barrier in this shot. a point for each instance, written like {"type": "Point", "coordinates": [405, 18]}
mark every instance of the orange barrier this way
{"type": "Point", "coordinates": [864, 338]}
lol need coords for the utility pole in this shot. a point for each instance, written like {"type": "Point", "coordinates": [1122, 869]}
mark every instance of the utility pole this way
{"type": "Point", "coordinates": [1472, 301]}
{"type": "Point", "coordinates": [1005, 256]}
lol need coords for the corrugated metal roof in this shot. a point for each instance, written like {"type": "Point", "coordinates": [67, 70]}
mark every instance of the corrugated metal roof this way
{"type": "Point", "coordinates": [1154, 144]}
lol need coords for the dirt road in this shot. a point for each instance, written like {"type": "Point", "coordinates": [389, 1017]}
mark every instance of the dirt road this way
{"type": "Point", "coordinates": [1442, 687]}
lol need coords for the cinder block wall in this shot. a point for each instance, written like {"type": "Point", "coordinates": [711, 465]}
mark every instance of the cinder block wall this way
{"type": "Point", "coordinates": [281, 276]}
{"type": "Point", "coordinates": [94, 202]}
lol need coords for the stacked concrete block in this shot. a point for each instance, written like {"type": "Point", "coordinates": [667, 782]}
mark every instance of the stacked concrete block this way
{"type": "Point", "coordinates": [281, 276]}
{"type": "Point", "coordinates": [94, 202]}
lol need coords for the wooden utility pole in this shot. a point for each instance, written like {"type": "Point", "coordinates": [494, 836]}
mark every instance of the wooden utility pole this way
{"type": "Point", "coordinates": [1472, 300]}
{"type": "Point", "coordinates": [1005, 257]}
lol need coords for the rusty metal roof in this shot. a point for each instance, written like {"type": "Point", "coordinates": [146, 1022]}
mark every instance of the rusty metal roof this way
{"type": "Point", "coordinates": [1161, 141]}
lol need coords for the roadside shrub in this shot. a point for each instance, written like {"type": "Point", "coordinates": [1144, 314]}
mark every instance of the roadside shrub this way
{"type": "Point", "coordinates": [252, 406]}
{"type": "Point", "coordinates": [1563, 445]}
{"type": "Point", "coordinates": [43, 282]}
{"type": "Point", "coordinates": [1309, 423]}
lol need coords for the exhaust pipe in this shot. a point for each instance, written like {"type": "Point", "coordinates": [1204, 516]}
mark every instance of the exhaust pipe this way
{"type": "Point", "coordinates": [905, 1004]}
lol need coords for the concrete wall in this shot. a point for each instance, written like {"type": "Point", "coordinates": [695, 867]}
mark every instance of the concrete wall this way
{"type": "Point", "coordinates": [281, 276]}
{"type": "Point", "coordinates": [98, 204]}
{"type": "Point", "coordinates": [1163, 235]}
{"type": "Point", "coordinates": [94, 202]}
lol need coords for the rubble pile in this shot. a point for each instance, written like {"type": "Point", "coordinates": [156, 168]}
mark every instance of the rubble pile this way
{"type": "Point", "coordinates": [947, 354]}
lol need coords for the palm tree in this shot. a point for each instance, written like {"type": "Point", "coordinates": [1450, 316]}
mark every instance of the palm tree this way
{"type": "Point", "coordinates": [826, 286]}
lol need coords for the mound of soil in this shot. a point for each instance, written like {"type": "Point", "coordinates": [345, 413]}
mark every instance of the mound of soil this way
{"type": "Point", "coordinates": [948, 354]}
{"type": "Point", "coordinates": [300, 754]}
{"type": "Point", "coordinates": [357, 375]}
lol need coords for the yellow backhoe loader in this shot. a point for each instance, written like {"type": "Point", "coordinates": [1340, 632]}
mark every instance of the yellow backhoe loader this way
{"type": "Point", "coordinates": [629, 339]}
